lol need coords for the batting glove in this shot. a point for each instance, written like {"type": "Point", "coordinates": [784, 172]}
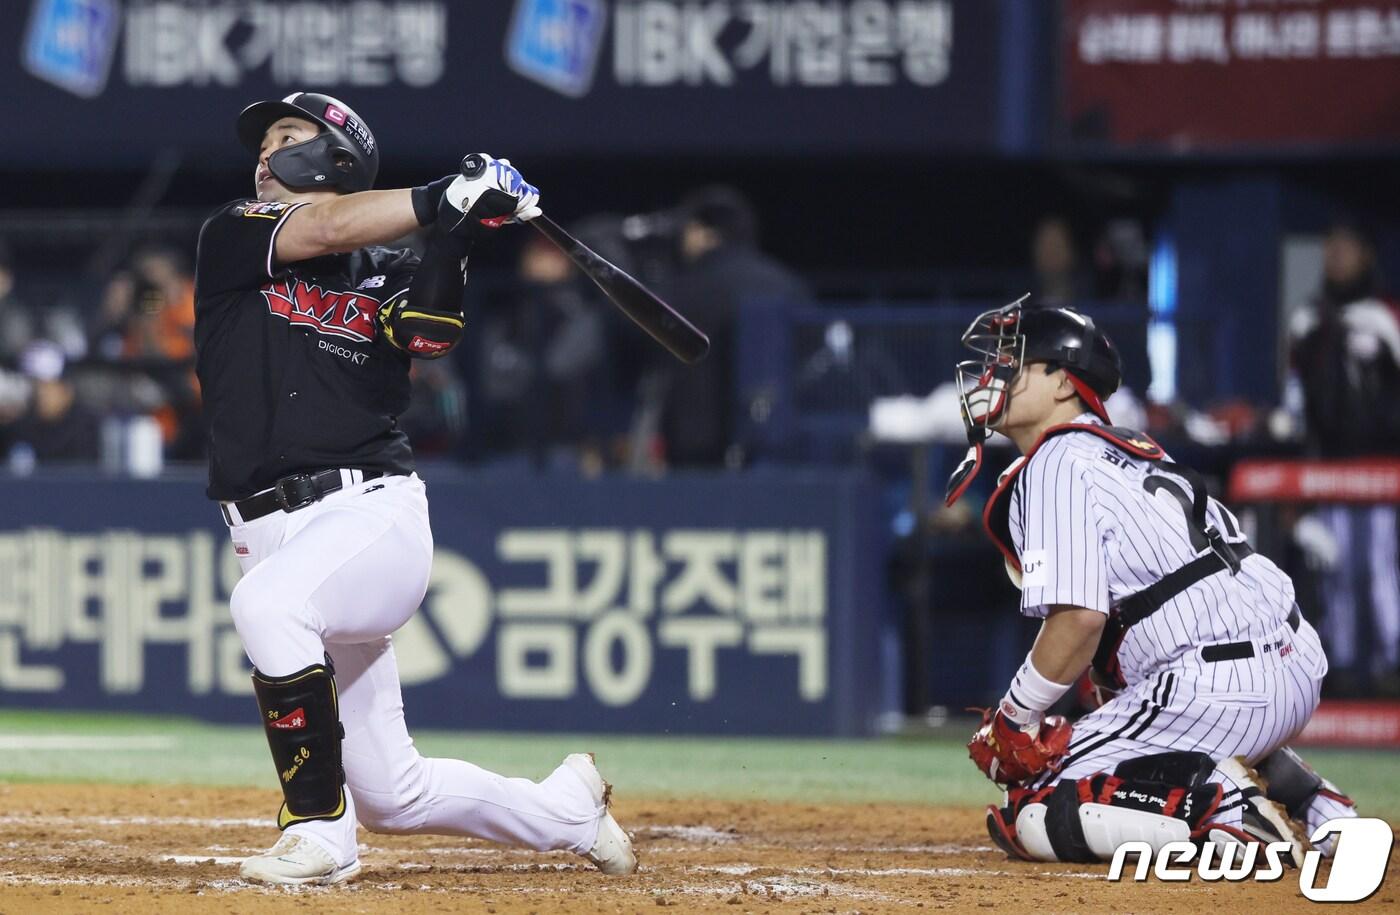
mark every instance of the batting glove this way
{"type": "Point", "coordinates": [490, 192]}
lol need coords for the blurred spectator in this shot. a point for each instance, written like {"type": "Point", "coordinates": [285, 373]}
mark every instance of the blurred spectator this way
{"type": "Point", "coordinates": [1346, 353]}
{"type": "Point", "coordinates": [148, 310]}
{"type": "Point", "coordinates": [14, 402]}
{"type": "Point", "coordinates": [542, 363]}
{"type": "Point", "coordinates": [53, 425]}
{"type": "Point", "coordinates": [147, 317]}
{"type": "Point", "coordinates": [15, 326]}
{"type": "Point", "coordinates": [20, 324]}
{"type": "Point", "coordinates": [436, 419]}
{"type": "Point", "coordinates": [1121, 262]}
{"type": "Point", "coordinates": [723, 269]}
{"type": "Point", "coordinates": [1055, 262]}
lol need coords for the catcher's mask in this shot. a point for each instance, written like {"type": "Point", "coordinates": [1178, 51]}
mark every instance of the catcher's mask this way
{"type": "Point", "coordinates": [1004, 340]}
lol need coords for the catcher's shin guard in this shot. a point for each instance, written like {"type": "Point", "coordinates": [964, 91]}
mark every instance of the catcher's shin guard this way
{"type": "Point", "coordinates": [1310, 799]}
{"type": "Point", "coordinates": [1262, 818]}
{"type": "Point", "coordinates": [1085, 820]}
{"type": "Point", "coordinates": [302, 719]}
{"type": "Point", "coordinates": [1295, 784]}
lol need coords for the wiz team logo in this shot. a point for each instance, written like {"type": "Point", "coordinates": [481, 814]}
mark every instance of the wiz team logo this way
{"type": "Point", "coordinates": [338, 314]}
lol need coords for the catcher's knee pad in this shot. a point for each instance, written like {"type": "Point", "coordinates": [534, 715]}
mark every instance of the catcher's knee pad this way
{"type": "Point", "coordinates": [1085, 820]}
{"type": "Point", "coordinates": [301, 716]}
{"type": "Point", "coordinates": [1295, 784]}
{"type": "Point", "coordinates": [1179, 767]}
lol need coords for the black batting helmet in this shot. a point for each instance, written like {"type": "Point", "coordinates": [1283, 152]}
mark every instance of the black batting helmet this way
{"type": "Point", "coordinates": [344, 155]}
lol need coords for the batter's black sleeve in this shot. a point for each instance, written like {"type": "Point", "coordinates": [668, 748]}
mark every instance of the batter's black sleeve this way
{"type": "Point", "coordinates": [426, 319]}
{"type": "Point", "coordinates": [236, 246]}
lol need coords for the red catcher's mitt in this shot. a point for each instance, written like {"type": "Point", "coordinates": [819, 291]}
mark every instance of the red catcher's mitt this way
{"type": "Point", "coordinates": [1009, 756]}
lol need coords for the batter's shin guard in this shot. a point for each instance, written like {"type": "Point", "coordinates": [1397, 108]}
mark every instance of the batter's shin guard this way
{"type": "Point", "coordinates": [302, 719]}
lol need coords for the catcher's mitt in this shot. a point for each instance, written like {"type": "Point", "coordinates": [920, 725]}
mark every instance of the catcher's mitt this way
{"type": "Point", "coordinates": [1008, 755]}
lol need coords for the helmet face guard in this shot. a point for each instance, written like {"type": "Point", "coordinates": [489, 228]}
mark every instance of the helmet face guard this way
{"type": "Point", "coordinates": [984, 382]}
{"type": "Point", "coordinates": [319, 162]}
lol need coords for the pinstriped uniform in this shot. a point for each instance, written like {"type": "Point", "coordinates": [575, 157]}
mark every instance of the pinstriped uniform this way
{"type": "Point", "coordinates": [1093, 526]}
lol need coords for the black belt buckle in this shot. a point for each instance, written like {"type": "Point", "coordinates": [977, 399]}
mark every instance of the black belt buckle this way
{"type": "Point", "coordinates": [295, 492]}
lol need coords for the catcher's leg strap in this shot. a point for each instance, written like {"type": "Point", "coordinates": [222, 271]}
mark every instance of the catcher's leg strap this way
{"type": "Point", "coordinates": [302, 719]}
{"type": "Point", "coordinates": [1295, 784]}
{"type": "Point", "coordinates": [1085, 820]}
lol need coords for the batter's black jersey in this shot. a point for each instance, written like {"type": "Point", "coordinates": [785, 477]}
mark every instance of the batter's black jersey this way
{"type": "Point", "coordinates": [296, 375]}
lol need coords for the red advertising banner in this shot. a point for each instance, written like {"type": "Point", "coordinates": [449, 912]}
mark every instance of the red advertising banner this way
{"type": "Point", "coordinates": [1353, 724]}
{"type": "Point", "coordinates": [1190, 75]}
{"type": "Point", "coordinates": [1360, 480]}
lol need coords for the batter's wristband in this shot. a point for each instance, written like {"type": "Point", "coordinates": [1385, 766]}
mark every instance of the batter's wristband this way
{"type": "Point", "coordinates": [426, 198]}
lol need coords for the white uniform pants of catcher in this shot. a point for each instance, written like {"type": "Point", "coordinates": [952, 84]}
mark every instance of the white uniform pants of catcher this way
{"type": "Point", "coordinates": [1246, 707]}
{"type": "Point", "coordinates": [337, 578]}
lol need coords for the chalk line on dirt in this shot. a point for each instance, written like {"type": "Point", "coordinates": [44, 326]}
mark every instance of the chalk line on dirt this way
{"type": "Point", "coordinates": [79, 743]}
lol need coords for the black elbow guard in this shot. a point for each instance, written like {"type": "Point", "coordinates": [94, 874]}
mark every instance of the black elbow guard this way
{"type": "Point", "coordinates": [425, 333]}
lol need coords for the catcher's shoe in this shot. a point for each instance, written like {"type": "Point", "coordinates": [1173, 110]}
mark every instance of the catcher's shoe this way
{"type": "Point", "coordinates": [295, 860]}
{"type": "Point", "coordinates": [1001, 826]}
{"type": "Point", "coordinates": [612, 851]}
{"type": "Point", "coordinates": [1001, 821]}
{"type": "Point", "coordinates": [1261, 820]}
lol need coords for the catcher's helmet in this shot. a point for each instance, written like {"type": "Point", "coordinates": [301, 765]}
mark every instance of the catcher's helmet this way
{"type": "Point", "coordinates": [1069, 339]}
{"type": "Point", "coordinates": [343, 155]}
{"type": "Point", "coordinates": [1007, 338]}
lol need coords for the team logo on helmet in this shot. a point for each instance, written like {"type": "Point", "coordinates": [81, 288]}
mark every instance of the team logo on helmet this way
{"type": "Point", "coordinates": [343, 154]}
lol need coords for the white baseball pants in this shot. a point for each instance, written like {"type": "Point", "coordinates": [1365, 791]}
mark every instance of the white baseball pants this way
{"type": "Point", "coordinates": [1247, 707]}
{"type": "Point", "coordinates": [337, 578]}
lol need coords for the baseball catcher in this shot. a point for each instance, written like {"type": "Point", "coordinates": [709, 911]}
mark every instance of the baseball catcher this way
{"type": "Point", "coordinates": [305, 326]}
{"type": "Point", "coordinates": [1203, 668]}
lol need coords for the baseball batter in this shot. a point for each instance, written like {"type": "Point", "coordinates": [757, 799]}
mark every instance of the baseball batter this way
{"type": "Point", "coordinates": [1202, 667]}
{"type": "Point", "coordinates": [304, 329]}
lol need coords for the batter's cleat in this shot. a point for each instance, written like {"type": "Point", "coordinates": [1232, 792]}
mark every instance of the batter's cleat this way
{"type": "Point", "coordinates": [1261, 820]}
{"type": "Point", "coordinates": [294, 860]}
{"type": "Point", "coordinates": [612, 851]}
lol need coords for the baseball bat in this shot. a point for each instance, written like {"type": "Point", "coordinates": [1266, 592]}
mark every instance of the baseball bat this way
{"type": "Point", "coordinates": [665, 325]}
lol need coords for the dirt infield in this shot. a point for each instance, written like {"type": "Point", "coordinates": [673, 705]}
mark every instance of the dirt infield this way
{"type": "Point", "coordinates": [96, 848]}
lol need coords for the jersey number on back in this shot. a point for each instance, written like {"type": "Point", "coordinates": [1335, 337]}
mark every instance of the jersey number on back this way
{"type": "Point", "coordinates": [1154, 483]}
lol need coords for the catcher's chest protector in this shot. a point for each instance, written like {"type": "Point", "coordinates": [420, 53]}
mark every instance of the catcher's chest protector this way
{"type": "Point", "coordinates": [1217, 554]}
{"type": "Point", "coordinates": [996, 515]}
